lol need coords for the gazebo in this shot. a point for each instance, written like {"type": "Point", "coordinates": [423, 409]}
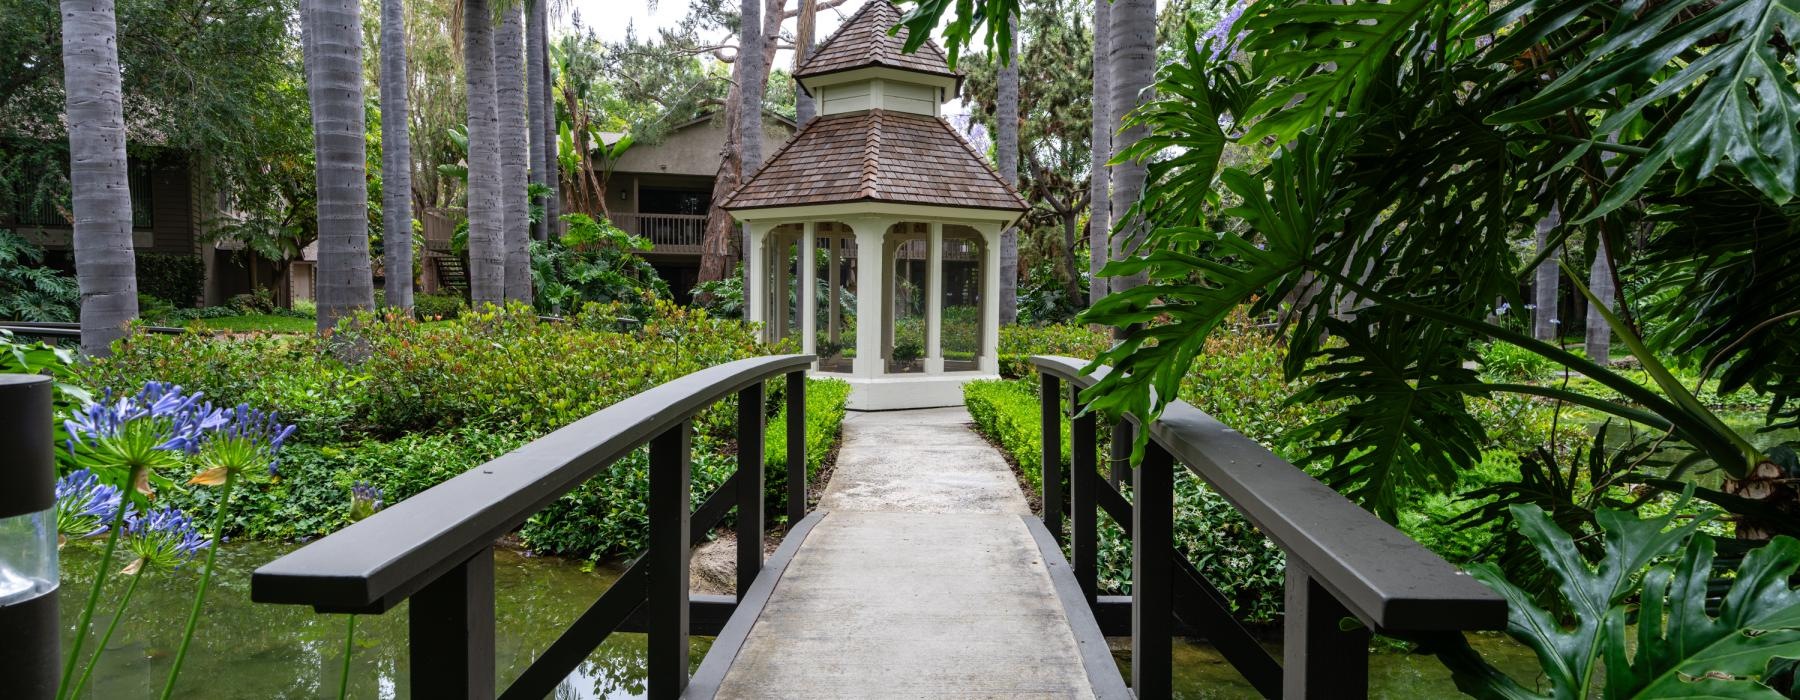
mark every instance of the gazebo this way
{"type": "Point", "coordinates": [875, 231]}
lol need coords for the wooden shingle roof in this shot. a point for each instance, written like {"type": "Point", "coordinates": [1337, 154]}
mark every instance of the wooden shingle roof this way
{"type": "Point", "coordinates": [863, 41]}
{"type": "Point", "coordinates": [878, 156]}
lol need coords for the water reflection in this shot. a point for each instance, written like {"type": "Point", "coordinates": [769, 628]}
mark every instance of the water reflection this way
{"type": "Point", "coordinates": [246, 650]}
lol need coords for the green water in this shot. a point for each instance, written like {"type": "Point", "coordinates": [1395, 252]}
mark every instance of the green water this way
{"type": "Point", "coordinates": [246, 650]}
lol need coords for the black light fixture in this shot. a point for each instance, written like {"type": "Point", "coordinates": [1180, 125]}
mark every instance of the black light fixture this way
{"type": "Point", "coordinates": [28, 560]}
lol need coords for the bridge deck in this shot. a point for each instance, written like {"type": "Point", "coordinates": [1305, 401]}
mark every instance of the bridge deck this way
{"type": "Point", "coordinates": [922, 576]}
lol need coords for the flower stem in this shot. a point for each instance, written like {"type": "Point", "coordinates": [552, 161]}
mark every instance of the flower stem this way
{"type": "Point", "coordinates": [100, 576]}
{"type": "Point", "coordinates": [106, 638]}
{"type": "Point", "coordinates": [212, 555]}
{"type": "Point", "coordinates": [349, 642]}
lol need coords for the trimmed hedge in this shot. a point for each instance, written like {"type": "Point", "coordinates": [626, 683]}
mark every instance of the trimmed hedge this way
{"type": "Point", "coordinates": [1007, 413]}
{"type": "Point", "coordinates": [825, 400]}
{"type": "Point", "coordinates": [177, 279]}
{"type": "Point", "coordinates": [1019, 343]}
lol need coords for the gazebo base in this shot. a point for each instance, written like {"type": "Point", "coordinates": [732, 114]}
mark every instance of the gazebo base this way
{"type": "Point", "coordinates": [900, 392]}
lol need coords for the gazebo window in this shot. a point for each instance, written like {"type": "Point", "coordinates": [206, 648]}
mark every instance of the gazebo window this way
{"type": "Point", "coordinates": [905, 349]}
{"type": "Point", "coordinates": [962, 303]}
{"type": "Point", "coordinates": [783, 284]}
{"type": "Point", "coordinates": [836, 325]}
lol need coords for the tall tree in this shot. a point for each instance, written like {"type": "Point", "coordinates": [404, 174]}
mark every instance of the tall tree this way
{"type": "Point", "coordinates": [487, 245]}
{"type": "Point", "coordinates": [1132, 55]}
{"type": "Point", "coordinates": [1006, 156]}
{"type": "Point", "coordinates": [535, 96]}
{"type": "Point", "coordinates": [396, 158]}
{"type": "Point", "coordinates": [1600, 282]}
{"type": "Point", "coordinates": [805, 26]}
{"type": "Point", "coordinates": [552, 165]}
{"type": "Point", "coordinates": [716, 247]}
{"type": "Point", "coordinates": [1099, 180]}
{"type": "Point", "coordinates": [1545, 290]}
{"type": "Point", "coordinates": [511, 109]}
{"type": "Point", "coordinates": [104, 261]}
{"type": "Point", "coordinates": [334, 83]}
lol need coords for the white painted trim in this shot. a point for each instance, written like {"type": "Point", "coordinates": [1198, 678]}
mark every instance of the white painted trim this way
{"type": "Point", "coordinates": [898, 211]}
{"type": "Point", "coordinates": [934, 297]}
{"type": "Point", "coordinates": [814, 82]}
{"type": "Point", "coordinates": [809, 288]}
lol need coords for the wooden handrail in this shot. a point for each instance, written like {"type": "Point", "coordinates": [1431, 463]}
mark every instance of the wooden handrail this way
{"type": "Point", "coordinates": [1342, 560]}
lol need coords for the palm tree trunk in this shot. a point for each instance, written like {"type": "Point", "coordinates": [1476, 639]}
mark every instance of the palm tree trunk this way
{"type": "Point", "coordinates": [534, 95]}
{"type": "Point", "coordinates": [396, 158]}
{"type": "Point", "coordinates": [1545, 292]}
{"type": "Point", "coordinates": [1006, 153]}
{"type": "Point", "coordinates": [509, 94]}
{"type": "Point", "coordinates": [1100, 141]}
{"type": "Point", "coordinates": [487, 251]}
{"type": "Point", "coordinates": [805, 25]}
{"type": "Point", "coordinates": [552, 167]}
{"type": "Point", "coordinates": [1132, 53]}
{"type": "Point", "coordinates": [1600, 282]}
{"type": "Point", "coordinates": [104, 260]}
{"type": "Point", "coordinates": [335, 88]}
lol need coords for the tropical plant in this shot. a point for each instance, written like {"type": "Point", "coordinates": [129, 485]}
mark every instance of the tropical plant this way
{"type": "Point", "coordinates": [594, 261]}
{"type": "Point", "coordinates": [101, 200]}
{"type": "Point", "coordinates": [28, 290]}
{"type": "Point", "coordinates": [1655, 573]}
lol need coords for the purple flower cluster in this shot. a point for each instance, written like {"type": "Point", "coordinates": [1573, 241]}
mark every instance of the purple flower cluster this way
{"type": "Point", "coordinates": [259, 432]}
{"type": "Point", "coordinates": [84, 506]}
{"type": "Point", "coordinates": [180, 419]}
{"type": "Point", "coordinates": [365, 500]}
{"type": "Point", "coordinates": [163, 538]}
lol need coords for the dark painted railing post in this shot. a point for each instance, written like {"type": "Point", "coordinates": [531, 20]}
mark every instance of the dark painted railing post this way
{"type": "Point", "coordinates": [1119, 461]}
{"type": "Point", "coordinates": [1051, 420]}
{"type": "Point", "coordinates": [671, 460]}
{"type": "Point", "coordinates": [749, 486]}
{"type": "Point", "coordinates": [1084, 505]}
{"type": "Point", "coordinates": [796, 446]}
{"type": "Point", "coordinates": [1320, 659]}
{"type": "Point", "coordinates": [29, 627]}
{"type": "Point", "coordinates": [451, 628]}
{"type": "Point", "coordinates": [1152, 573]}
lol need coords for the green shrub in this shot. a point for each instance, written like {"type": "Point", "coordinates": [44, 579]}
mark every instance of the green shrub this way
{"type": "Point", "coordinates": [1505, 361]}
{"type": "Point", "coordinates": [29, 291]}
{"type": "Point", "coordinates": [1019, 343]}
{"type": "Point", "coordinates": [261, 301]}
{"type": "Point", "coordinates": [181, 279]}
{"type": "Point", "coordinates": [609, 513]}
{"type": "Point", "coordinates": [825, 399]}
{"type": "Point", "coordinates": [1007, 412]}
{"type": "Point", "coordinates": [436, 307]}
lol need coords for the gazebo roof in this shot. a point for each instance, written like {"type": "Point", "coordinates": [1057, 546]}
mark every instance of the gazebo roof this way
{"type": "Point", "coordinates": [880, 156]}
{"type": "Point", "coordinates": [864, 42]}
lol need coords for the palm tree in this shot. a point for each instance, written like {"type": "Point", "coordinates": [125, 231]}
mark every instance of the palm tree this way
{"type": "Point", "coordinates": [509, 94]}
{"type": "Point", "coordinates": [1545, 283]}
{"type": "Point", "coordinates": [534, 96]}
{"type": "Point", "coordinates": [1006, 153]}
{"type": "Point", "coordinates": [1600, 282]}
{"type": "Point", "coordinates": [1131, 49]}
{"type": "Point", "coordinates": [334, 84]}
{"type": "Point", "coordinates": [487, 253]}
{"type": "Point", "coordinates": [396, 158]}
{"type": "Point", "coordinates": [104, 262]}
{"type": "Point", "coordinates": [1099, 185]}
{"type": "Point", "coordinates": [552, 169]}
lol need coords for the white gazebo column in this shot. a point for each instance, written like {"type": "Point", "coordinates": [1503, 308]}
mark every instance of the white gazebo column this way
{"type": "Point", "coordinates": [934, 297]}
{"type": "Point", "coordinates": [868, 233]}
{"type": "Point", "coordinates": [755, 272]}
{"type": "Point", "coordinates": [990, 298]}
{"type": "Point", "coordinates": [809, 288]}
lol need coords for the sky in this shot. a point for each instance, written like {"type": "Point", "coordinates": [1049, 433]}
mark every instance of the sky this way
{"type": "Point", "coordinates": [610, 18]}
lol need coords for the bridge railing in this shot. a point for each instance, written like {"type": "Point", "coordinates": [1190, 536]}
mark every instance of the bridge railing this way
{"type": "Point", "coordinates": [436, 548]}
{"type": "Point", "coordinates": [1342, 561]}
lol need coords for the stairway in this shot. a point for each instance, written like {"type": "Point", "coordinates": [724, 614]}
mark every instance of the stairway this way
{"type": "Point", "coordinates": [451, 273]}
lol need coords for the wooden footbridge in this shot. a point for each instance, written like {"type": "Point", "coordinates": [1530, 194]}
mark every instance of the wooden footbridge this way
{"type": "Point", "coordinates": [922, 574]}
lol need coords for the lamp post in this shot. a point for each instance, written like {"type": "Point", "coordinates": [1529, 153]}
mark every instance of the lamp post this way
{"type": "Point", "coordinates": [28, 566]}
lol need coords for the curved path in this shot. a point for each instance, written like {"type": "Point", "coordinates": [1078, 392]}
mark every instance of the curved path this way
{"type": "Point", "coordinates": [926, 577]}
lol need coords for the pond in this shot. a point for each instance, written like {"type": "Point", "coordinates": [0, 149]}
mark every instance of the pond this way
{"type": "Point", "coordinates": [246, 650]}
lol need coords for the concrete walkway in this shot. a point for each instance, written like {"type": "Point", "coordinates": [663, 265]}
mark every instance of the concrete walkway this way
{"type": "Point", "coordinates": [921, 581]}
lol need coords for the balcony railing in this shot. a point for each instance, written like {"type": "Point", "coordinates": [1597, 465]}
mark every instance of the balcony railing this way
{"type": "Point", "coordinates": [668, 233]}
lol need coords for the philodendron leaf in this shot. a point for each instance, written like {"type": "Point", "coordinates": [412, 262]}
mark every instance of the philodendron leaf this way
{"type": "Point", "coordinates": [1654, 573]}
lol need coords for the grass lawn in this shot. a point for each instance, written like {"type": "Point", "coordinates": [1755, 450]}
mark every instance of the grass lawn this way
{"type": "Point", "coordinates": [255, 322]}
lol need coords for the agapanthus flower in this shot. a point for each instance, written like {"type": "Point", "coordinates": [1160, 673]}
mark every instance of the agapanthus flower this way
{"type": "Point", "coordinates": [141, 434]}
{"type": "Point", "coordinates": [365, 500]}
{"type": "Point", "coordinates": [164, 538]}
{"type": "Point", "coordinates": [84, 506]}
{"type": "Point", "coordinates": [245, 438]}
{"type": "Point", "coordinates": [1504, 307]}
